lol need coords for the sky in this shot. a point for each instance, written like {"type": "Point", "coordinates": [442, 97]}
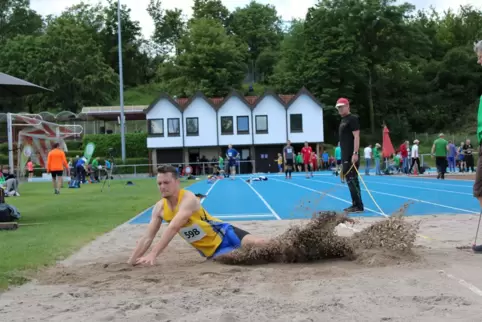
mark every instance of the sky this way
{"type": "Point", "coordinates": [287, 9]}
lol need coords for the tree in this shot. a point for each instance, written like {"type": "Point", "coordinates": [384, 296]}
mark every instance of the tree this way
{"type": "Point", "coordinates": [16, 18]}
{"type": "Point", "coordinates": [169, 26]}
{"type": "Point", "coordinates": [66, 60]}
{"type": "Point", "coordinates": [210, 61]}
{"type": "Point", "coordinates": [211, 9]}
{"type": "Point", "coordinates": [288, 72]}
{"type": "Point", "coordinates": [135, 62]}
{"type": "Point", "coordinates": [260, 27]}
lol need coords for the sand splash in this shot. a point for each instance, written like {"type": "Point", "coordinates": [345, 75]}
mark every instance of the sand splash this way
{"type": "Point", "coordinates": [388, 240]}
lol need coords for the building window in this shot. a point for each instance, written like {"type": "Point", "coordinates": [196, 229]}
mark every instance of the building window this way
{"type": "Point", "coordinates": [242, 124]}
{"type": "Point", "coordinates": [261, 124]}
{"type": "Point", "coordinates": [155, 127]}
{"type": "Point", "coordinates": [227, 125]}
{"type": "Point", "coordinates": [173, 128]}
{"type": "Point", "coordinates": [296, 123]}
{"type": "Point", "coordinates": [192, 126]}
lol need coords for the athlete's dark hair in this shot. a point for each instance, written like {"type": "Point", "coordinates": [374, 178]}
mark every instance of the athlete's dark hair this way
{"type": "Point", "coordinates": [168, 169]}
{"type": "Point", "coordinates": [55, 145]}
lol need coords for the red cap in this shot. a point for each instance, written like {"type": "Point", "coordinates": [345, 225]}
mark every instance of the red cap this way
{"type": "Point", "coordinates": [342, 101]}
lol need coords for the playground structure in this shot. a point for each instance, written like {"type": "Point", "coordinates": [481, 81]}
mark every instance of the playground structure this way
{"type": "Point", "coordinates": [34, 138]}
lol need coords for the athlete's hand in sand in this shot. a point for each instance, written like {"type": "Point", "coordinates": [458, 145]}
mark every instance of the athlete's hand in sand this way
{"type": "Point", "coordinates": [148, 259]}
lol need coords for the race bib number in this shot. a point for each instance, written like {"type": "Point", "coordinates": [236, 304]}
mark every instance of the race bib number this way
{"type": "Point", "coordinates": [192, 233]}
{"type": "Point", "coordinates": [288, 150]}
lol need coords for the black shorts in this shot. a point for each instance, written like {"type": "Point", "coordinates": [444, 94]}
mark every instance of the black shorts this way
{"type": "Point", "coordinates": [56, 174]}
{"type": "Point", "coordinates": [338, 162]}
{"type": "Point", "coordinates": [239, 232]}
{"type": "Point", "coordinates": [289, 162]}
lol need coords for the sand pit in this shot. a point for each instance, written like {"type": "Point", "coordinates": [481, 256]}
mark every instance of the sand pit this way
{"type": "Point", "coordinates": [96, 285]}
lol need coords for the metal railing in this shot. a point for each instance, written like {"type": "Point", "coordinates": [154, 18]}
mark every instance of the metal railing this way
{"type": "Point", "coordinates": [146, 170]}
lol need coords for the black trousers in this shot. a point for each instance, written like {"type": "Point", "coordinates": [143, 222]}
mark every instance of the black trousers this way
{"type": "Point", "coordinates": [441, 164]}
{"type": "Point", "coordinates": [469, 162]}
{"type": "Point", "coordinates": [417, 161]}
{"type": "Point", "coordinates": [351, 177]}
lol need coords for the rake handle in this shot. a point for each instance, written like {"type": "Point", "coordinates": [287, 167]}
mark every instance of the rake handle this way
{"type": "Point", "coordinates": [478, 226]}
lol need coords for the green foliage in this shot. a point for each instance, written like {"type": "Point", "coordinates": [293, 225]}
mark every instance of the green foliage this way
{"type": "Point", "coordinates": [212, 10]}
{"type": "Point", "coordinates": [4, 148]}
{"type": "Point", "coordinates": [169, 26]}
{"type": "Point", "coordinates": [72, 145]}
{"type": "Point", "coordinates": [211, 61]}
{"type": "Point", "coordinates": [135, 144]}
{"type": "Point", "coordinates": [143, 94]}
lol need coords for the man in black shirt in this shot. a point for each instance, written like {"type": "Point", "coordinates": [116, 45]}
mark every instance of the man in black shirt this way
{"type": "Point", "coordinates": [349, 135]}
{"type": "Point", "coordinates": [468, 155]}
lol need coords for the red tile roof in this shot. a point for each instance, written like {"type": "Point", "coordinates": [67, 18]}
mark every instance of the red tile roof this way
{"type": "Point", "coordinates": [252, 100]}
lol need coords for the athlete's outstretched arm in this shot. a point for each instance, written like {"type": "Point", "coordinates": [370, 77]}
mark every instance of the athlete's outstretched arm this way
{"type": "Point", "coordinates": [145, 242]}
{"type": "Point", "coordinates": [189, 204]}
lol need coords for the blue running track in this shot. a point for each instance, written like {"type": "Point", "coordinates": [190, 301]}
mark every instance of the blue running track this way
{"type": "Point", "coordinates": [279, 198]}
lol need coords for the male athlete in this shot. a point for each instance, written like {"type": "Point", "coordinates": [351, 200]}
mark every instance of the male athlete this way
{"type": "Point", "coordinates": [182, 210]}
{"type": "Point", "coordinates": [306, 152]}
{"type": "Point", "coordinates": [232, 156]}
{"type": "Point", "coordinates": [289, 155]}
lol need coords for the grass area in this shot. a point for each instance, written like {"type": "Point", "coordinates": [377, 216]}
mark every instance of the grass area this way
{"type": "Point", "coordinates": [68, 222]}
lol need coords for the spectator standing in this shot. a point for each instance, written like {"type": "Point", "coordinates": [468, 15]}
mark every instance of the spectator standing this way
{"type": "Point", "coordinates": [377, 157]}
{"type": "Point", "coordinates": [56, 163]}
{"type": "Point", "coordinates": [368, 158]}
{"type": "Point", "coordinates": [451, 156]}
{"type": "Point", "coordinates": [440, 148]}
{"type": "Point", "coordinates": [469, 157]}
{"type": "Point", "coordinates": [415, 156]}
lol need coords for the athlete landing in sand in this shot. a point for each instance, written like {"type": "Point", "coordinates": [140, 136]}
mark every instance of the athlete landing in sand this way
{"type": "Point", "coordinates": [183, 211]}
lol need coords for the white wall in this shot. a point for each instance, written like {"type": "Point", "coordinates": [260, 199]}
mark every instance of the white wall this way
{"type": "Point", "coordinates": [206, 115]}
{"type": "Point", "coordinates": [164, 110]}
{"type": "Point", "coordinates": [312, 116]}
{"type": "Point", "coordinates": [235, 107]}
{"type": "Point", "coordinates": [276, 113]}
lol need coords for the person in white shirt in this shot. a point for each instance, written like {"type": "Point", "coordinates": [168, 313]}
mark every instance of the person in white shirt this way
{"type": "Point", "coordinates": [415, 157]}
{"type": "Point", "coordinates": [368, 159]}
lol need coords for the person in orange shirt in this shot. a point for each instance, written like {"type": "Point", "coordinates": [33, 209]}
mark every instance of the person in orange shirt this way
{"type": "Point", "coordinates": [56, 163]}
{"type": "Point", "coordinates": [30, 168]}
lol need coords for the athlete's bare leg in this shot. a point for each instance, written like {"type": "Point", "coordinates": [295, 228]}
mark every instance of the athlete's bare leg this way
{"type": "Point", "coordinates": [254, 240]}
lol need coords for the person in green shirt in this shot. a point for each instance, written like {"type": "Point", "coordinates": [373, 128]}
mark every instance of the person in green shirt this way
{"type": "Point", "coordinates": [299, 161]}
{"type": "Point", "coordinates": [478, 171]}
{"type": "Point", "coordinates": [396, 161]}
{"type": "Point", "coordinates": [440, 148]}
{"type": "Point", "coordinates": [338, 157]}
{"type": "Point", "coordinates": [221, 164]}
{"type": "Point", "coordinates": [95, 168]}
{"type": "Point", "coordinates": [376, 157]}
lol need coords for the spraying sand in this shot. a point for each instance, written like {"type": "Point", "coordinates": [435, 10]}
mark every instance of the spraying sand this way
{"type": "Point", "coordinates": [383, 272]}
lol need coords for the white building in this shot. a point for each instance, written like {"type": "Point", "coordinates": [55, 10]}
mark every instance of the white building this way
{"type": "Point", "coordinates": [184, 130]}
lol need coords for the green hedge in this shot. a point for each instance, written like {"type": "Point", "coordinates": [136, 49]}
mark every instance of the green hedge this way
{"type": "Point", "coordinates": [74, 145]}
{"type": "Point", "coordinates": [74, 153]}
{"type": "Point", "coordinates": [4, 158]}
{"type": "Point", "coordinates": [4, 148]}
{"type": "Point", "coordinates": [136, 144]}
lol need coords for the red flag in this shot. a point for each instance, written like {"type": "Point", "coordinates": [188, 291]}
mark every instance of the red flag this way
{"type": "Point", "coordinates": [387, 146]}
